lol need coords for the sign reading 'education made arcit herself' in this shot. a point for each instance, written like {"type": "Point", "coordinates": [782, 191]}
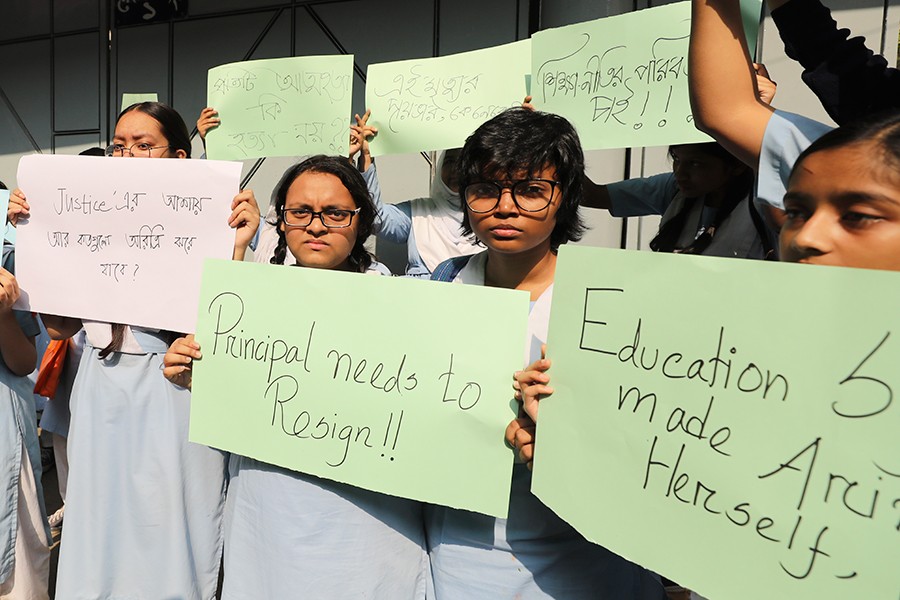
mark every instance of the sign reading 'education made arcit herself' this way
{"type": "Point", "coordinates": [281, 107]}
{"type": "Point", "coordinates": [122, 241]}
{"type": "Point", "coordinates": [436, 103]}
{"type": "Point", "coordinates": [393, 385]}
{"type": "Point", "coordinates": [622, 80]}
{"type": "Point", "coordinates": [730, 424]}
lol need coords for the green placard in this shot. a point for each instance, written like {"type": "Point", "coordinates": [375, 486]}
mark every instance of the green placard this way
{"type": "Point", "coordinates": [281, 107]}
{"type": "Point", "coordinates": [730, 424]}
{"type": "Point", "coordinates": [622, 80]}
{"type": "Point", "coordinates": [394, 385]}
{"type": "Point", "coordinates": [436, 103]}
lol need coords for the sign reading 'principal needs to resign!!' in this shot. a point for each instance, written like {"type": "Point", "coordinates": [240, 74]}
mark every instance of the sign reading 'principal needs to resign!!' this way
{"type": "Point", "coordinates": [730, 424]}
{"type": "Point", "coordinates": [394, 385]}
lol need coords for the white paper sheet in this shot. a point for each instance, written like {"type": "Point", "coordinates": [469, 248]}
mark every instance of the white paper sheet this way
{"type": "Point", "coordinates": [122, 240]}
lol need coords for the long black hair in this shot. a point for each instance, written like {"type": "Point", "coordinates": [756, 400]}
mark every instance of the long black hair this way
{"type": "Point", "coordinates": [517, 141]}
{"type": "Point", "coordinates": [350, 178]}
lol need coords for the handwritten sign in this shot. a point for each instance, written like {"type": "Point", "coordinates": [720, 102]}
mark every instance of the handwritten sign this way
{"type": "Point", "coordinates": [281, 107]}
{"type": "Point", "coordinates": [122, 240]}
{"type": "Point", "coordinates": [129, 99]}
{"type": "Point", "coordinates": [730, 424]}
{"type": "Point", "coordinates": [622, 80]}
{"type": "Point", "coordinates": [336, 383]}
{"type": "Point", "coordinates": [436, 103]}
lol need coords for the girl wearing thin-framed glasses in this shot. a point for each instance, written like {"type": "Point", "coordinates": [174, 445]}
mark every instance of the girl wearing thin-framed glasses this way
{"type": "Point", "coordinates": [143, 505]}
{"type": "Point", "coordinates": [288, 534]}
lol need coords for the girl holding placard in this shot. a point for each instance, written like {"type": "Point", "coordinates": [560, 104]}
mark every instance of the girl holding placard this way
{"type": "Point", "coordinates": [143, 506]}
{"type": "Point", "coordinates": [288, 534]}
{"type": "Point", "coordinates": [521, 179]}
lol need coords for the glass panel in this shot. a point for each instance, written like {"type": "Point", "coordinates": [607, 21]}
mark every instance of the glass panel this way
{"type": "Point", "coordinates": [201, 45]}
{"type": "Point", "coordinates": [26, 82]}
{"type": "Point", "coordinates": [495, 24]}
{"type": "Point", "coordinates": [72, 15]}
{"type": "Point", "coordinates": [143, 62]}
{"type": "Point", "coordinates": [77, 82]}
{"type": "Point", "coordinates": [30, 17]}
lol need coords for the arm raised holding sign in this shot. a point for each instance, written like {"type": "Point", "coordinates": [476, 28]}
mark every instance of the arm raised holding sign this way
{"type": "Point", "coordinates": [430, 226]}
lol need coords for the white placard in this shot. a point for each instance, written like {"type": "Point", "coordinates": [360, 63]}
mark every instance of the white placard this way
{"type": "Point", "coordinates": [119, 240]}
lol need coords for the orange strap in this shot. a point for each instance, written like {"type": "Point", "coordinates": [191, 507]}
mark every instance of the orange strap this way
{"type": "Point", "coordinates": [51, 368]}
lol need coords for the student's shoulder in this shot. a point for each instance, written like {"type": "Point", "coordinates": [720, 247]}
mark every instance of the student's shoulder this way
{"type": "Point", "coordinates": [450, 268]}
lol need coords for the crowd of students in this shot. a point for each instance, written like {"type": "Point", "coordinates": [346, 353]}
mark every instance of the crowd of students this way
{"type": "Point", "coordinates": [150, 515]}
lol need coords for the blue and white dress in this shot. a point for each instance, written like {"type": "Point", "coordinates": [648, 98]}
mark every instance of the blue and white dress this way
{"type": "Point", "coordinates": [144, 506]}
{"type": "Point", "coordinates": [430, 227]}
{"type": "Point", "coordinates": [20, 457]}
{"type": "Point", "coordinates": [291, 535]}
{"type": "Point", "coordinates": [533, 553]}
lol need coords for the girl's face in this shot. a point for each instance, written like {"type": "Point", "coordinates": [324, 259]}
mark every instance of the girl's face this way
{"type": "Point", "coordinates": [843, 208]}
{"type": "Point", "coordinates": [136, 130]}
{"type": "Point", "coordinates": [315, 245]}
{"type": "Point", "coordinates": [698, 173]}
{"type": "Point", "coordinates": [510, 230]}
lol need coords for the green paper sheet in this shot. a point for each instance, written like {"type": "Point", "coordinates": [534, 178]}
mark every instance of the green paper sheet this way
{"type": "Point", "coordinates": [129, 99]}
{"type": "Point", "coordinates": [281, 107]}
{"type": "Point", "coordinates": [394, 385]}
{"type": "Point", "coordinates": [621, 80]}
{"type": "Point", "coordinates": [436, 103]}
{"type": "Point", "coordinates": [730, 424]}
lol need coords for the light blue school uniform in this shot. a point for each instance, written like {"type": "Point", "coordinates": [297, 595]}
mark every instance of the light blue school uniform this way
{"type": "Point", "coordinates": [787, 135]}
{"type": "Point", "coordinates": [291, 535]}
{"type": "Point", "coordinates": [532, 554]}
{"type": "Point", "coordinates": [18, 426]}
{"type": "Point", "coordinates": [144, 506]}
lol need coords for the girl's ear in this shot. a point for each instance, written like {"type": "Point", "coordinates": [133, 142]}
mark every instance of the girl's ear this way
{"type": "Point", "coordinates": [180, 153]}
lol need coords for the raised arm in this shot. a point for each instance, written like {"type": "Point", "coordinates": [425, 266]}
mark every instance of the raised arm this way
{"type": "Point", "coordinates": [850, 80]}
{"type": "Point", "coordinates": [724, 97]}
{"type": "Point", "coordinates": [16, 347]}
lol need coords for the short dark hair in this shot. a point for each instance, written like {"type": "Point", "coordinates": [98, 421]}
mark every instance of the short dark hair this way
{"type": "Point", "coordinates": [881, 129]}
{"type": "Point", "coordinates": [170, 123]}
{"type": "Point", "coordinates": [3, 186]}
{"type": "Point", "coordinates": [521, 140]}
{"type": "Point", "coordinates": [351, 179]}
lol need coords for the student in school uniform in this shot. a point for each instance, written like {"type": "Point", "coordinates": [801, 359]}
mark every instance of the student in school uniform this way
{"type": "Point", "coordinates": [521, 179]}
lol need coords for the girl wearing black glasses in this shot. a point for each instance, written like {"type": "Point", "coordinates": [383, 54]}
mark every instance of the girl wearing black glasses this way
{"type": "Point", "coordinates": [288, 534]}
{"type": "Point", "coordinates": [521, 179]}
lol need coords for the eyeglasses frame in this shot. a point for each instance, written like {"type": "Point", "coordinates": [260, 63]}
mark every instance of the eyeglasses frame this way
{"type": "Point", "coordinates": [512, 193]}
{"type": "Point", "coordinates": [321, 215]}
